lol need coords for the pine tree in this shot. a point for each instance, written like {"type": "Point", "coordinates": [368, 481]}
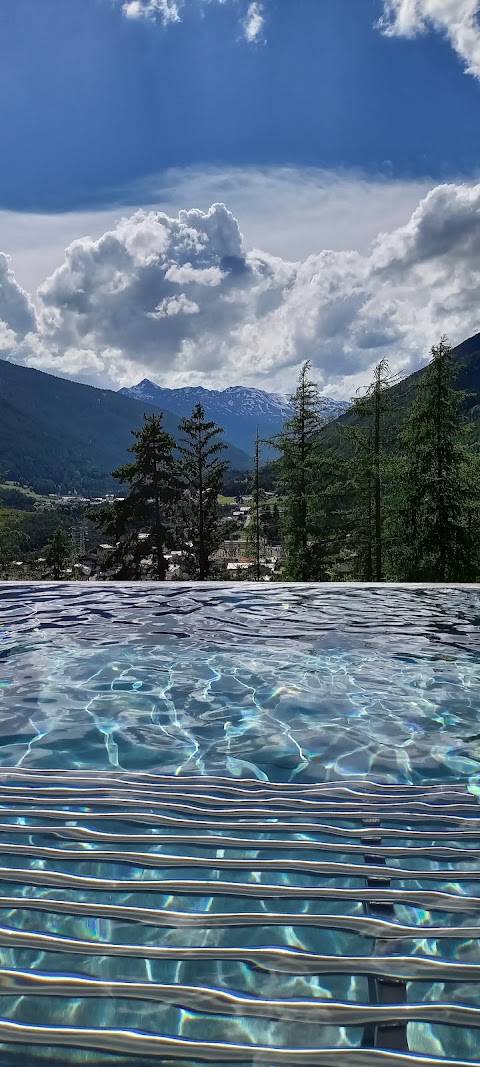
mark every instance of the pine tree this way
{"type": "Point", "coordinates": [254, 528]}
{"type": "Point", "coordinates": [201, 472]}
{"type": "Point", "coordinates": [367, 475]}
{"type": "Point", "coordinates": [275, 525]}
{"type": "Point", "coordinates": [58, 552]}
{"type": "Point", "coordinates": [303, 464]}
{"type": "Point", "coordinates": [435, 506]}
{"type": "Point", "coordinates": [269, 523]}
{"type": "Point", "coordinates": [140, 525]}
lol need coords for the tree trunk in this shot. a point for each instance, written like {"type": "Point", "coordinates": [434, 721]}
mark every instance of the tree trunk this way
{"type": "Point", "coordinates": [377, 486]}
{"type": "Point", "coordinates": [158, 545]}
{"type": "Point", "coordinates": [369, 552]}
{"type": "Point", "coordinates": [202, 562]}
{"type": "Point", "coordinates": [257, 507]}
{"type": "Point", "coordinates": [303, 488]}
{"type": "Point", "coordinates": [442, 554]}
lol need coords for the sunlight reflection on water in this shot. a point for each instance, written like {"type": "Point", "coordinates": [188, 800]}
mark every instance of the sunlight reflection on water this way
{"type": "Point", "coordinates": [331, 683]}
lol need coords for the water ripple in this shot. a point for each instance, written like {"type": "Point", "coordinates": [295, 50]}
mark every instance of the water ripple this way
{"type": "Point", "coordinates": [284, 683]}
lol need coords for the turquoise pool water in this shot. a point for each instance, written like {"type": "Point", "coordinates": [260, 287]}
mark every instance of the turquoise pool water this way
{"type": "Point", "coordinates": [285, 683]}
{"type": "Point", "coordinates": [236, 822]}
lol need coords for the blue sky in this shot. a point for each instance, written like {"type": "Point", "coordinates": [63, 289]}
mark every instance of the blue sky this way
{"type": "Point", "coordinates": [316, 127]}
{"type": "Point", "coordinates": [94, 102]}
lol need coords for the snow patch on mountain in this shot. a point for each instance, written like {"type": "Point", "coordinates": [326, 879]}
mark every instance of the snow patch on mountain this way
{"type": "Point", "coordinates": [241, 411]}
{"type": "Point", "coordinates": [242, 400]}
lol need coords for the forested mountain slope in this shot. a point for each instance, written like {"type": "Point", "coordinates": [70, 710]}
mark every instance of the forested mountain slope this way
{"type": "Point", "coordinates": [58, 435]}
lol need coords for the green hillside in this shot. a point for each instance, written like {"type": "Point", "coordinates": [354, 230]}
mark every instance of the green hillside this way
{"type": "Point", "coordinates": [467, 354]}
{"type": "Point", "coordinates": [58, 436]}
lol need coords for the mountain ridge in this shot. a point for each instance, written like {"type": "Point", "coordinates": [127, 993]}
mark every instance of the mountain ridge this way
{"type": "Point", "coordinates": [467, 353]}
{"type": "Point", "coordinates": [58, 435]}
{"type": "Point", "coordinates": [240, 410]}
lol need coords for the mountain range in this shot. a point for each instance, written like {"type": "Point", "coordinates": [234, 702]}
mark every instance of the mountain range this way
{"type": "Point", "coordinates": [57, 435]}
{"type": "Point", "coordinates": [239, 410]}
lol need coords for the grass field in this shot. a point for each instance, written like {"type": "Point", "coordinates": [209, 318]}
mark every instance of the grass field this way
{"type": "Point", "coordinates": [14, 485]}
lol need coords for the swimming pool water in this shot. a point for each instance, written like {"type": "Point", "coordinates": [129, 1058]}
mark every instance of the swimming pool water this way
{"type": "Point", "coordinates": [286, 683]}
{"type": "Point", "coordinates": [239, 771]}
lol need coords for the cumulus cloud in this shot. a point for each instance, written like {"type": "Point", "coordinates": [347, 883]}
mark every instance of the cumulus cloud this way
{"type": "Point", "coordinates": [17, 313]}
{"type": "Point", "coordinates": [187, 273]}
{"type": "Point", "coordinates": [445, 223]}
{"type": "Point", "coordinates": [174, 305]}
{"type": "Point", "coordinates": [292, 211]}
{"type": "Point", "coordinates": [16, 308]}
{"type": "Point", "coordinates": [154, 284]}
{"type": "Point", "coordinates": [182, 300]}
{"type": "Point", "coordinates": [459, 20]}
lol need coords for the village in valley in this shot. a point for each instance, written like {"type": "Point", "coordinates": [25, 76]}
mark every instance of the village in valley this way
{"type": "Point", "coordinates": [88, 553]}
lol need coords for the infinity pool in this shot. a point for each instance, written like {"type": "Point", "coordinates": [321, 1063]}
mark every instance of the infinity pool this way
{"type": "Point", "coordinates": [294, 684]}
{"type": "Point", "coordinates": [239, 825]}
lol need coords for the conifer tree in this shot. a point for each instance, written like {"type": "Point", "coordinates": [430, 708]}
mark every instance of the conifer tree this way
{"type": "Point", "coordinates": [367, 475]}
{"type": "Point", "coordinates": [140, 525]}
{"type": "Point", "coordinates": [58, 552]}
{"type": "Point", "coordinates": [274, 525]}
{"type": "Point", "coordinates": [303, 464]}
{"type": "Point", "coordinates": [201, 471]}
{"type": "Point", "coordinates": [435, 508]}
{"type": "Point", "coordinates": [254, 528]}
{"type": "Point", "coordinates": [270, 522]}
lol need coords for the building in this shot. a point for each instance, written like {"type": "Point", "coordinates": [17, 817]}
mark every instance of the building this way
{"type": "Point", "coordinates": [241, 551]}
{"type": "Point", "coordinates": [231, 551]}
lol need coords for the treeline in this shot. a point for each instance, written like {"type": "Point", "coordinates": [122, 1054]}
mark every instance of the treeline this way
{"type": "Point", "coordinates": [171, 501]}
{"type": "Point", "coordinates": [388, 502]}
{"type": "Point", "coordinates": [384, 494]}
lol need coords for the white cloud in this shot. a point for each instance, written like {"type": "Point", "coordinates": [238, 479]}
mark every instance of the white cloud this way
{"type": "Point", "coordinates": [17, 313]}
{"type": "Point", "coordinates": [445, 224]}
{"type": "Point", "coordinates": [140, 288]}
{"type": "Point", "coordinates": [16, 308]}
{"type": "Point", "coordinates": [254, 21]}
{"type": "Point", "coordinates": [292, 211]}
{"type": "Point", "coordinates": [8, 341]}
{"type": "Point", "coordinates": [183, 300]}
{"type": "Point", "coordinates": [174, 305]}
{"type": "Point", "coordinates": [459, 20]}
{"type": "Point", "coordinates": [186, 274]}
{"type": "Point", "coordinates": [168, 11]}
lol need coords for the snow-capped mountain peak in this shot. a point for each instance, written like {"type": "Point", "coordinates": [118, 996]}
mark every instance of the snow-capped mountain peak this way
{"type": "Point", "coordinates": [240, 410]}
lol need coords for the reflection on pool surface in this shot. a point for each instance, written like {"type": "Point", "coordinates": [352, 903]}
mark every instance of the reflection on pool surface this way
{"type": "Point", "coordinates": [286, 683]}
{"type": "Point", "coordinates": [239, 825]}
